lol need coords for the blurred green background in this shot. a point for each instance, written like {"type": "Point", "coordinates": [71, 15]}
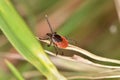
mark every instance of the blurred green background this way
{"type": "Point", "coordinates": [93, 24]}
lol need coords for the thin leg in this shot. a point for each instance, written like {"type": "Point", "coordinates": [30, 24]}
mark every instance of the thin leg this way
{"type": "Point", "coordinates": [50, 43]}
{"type": "Point", "coordinates": [43, 38]}
{"type": "Point", "coordinates": [62, 53]}
{"type": "Point", "coordinates": [56, 49]}
{"type": "Point", "coordinates": [46, 39]}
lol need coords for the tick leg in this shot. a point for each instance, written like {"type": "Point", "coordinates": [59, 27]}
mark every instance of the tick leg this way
{"type": "Point", "coordinates": [56, 49]}
{"type": "Point", "coordinates": [43, 38]}
{"type": "Point", "coordinates": [46, 39]}
{"type": "Point", "coordinates": [50, 43]}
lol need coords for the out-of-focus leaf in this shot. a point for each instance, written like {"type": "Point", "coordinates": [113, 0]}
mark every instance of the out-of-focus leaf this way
{"type": "Point", "coordinates": [14, 71]}
{"type": "Point", "coordinates": [24, 41]}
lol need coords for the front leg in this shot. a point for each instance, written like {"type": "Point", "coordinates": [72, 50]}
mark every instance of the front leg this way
{"type": "Point", "coordinates": [50, 43]}
{"type": "Point", "coordinates": [42, 38]}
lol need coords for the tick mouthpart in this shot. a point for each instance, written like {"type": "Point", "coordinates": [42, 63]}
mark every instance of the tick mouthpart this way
{"type": "Point", "coordinates": [49, 34]}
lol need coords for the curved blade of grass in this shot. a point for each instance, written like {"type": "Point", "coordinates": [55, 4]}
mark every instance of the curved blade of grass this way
{"type": "Point", "coordinates": [87, 53]}
{"type": "Point", "coordinates": [81, 68]}
{"type": "Point", "coordinates": [24, 41]}
{"type": "Point", "coordinates": [88, 69]}
{"type": "Point", "coordinates": [77, 68]}
{"type": "Point", "coordinates": [14, 70]}
{"type": "Point", "coordinates": [91, 55]}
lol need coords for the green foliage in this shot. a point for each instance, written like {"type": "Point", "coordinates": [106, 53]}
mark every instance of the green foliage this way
{"type": "Point", "coordinates": [24, 41]}
{"type": "Point", "coordinates": [93, 24]}
{"type": "Point", "coordinates": [14, 71]}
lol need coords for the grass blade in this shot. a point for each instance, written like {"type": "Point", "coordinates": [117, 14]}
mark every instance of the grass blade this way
{"type": "Point", "coordinates": [24, 41]}
{"type": "Point", "coordinates": [14, 70]}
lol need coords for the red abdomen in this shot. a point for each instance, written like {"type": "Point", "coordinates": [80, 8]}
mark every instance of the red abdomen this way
{"type": "Point", "coordinates": [62, 44]}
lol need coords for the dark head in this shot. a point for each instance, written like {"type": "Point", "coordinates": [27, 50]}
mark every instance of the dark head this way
{"type": "Point", "coordinates": [49, 34]}
{"type": "Point", "coordinates": [55, 37]}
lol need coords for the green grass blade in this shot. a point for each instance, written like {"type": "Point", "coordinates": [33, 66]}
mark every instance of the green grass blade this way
{"type": "Point", "coordinates": [14, 70]}
{"type": "Point", "coordinates": [24, 41]}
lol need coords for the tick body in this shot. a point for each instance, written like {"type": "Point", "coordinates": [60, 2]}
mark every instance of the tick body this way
{"type": "Point", "coordinates": [56, 39]}
{"type": "Point", "coordinates": [62, 44]}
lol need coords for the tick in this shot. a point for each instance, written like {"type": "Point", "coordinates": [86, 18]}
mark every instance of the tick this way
{"type": "Point", "coordinates": [56, 39]}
